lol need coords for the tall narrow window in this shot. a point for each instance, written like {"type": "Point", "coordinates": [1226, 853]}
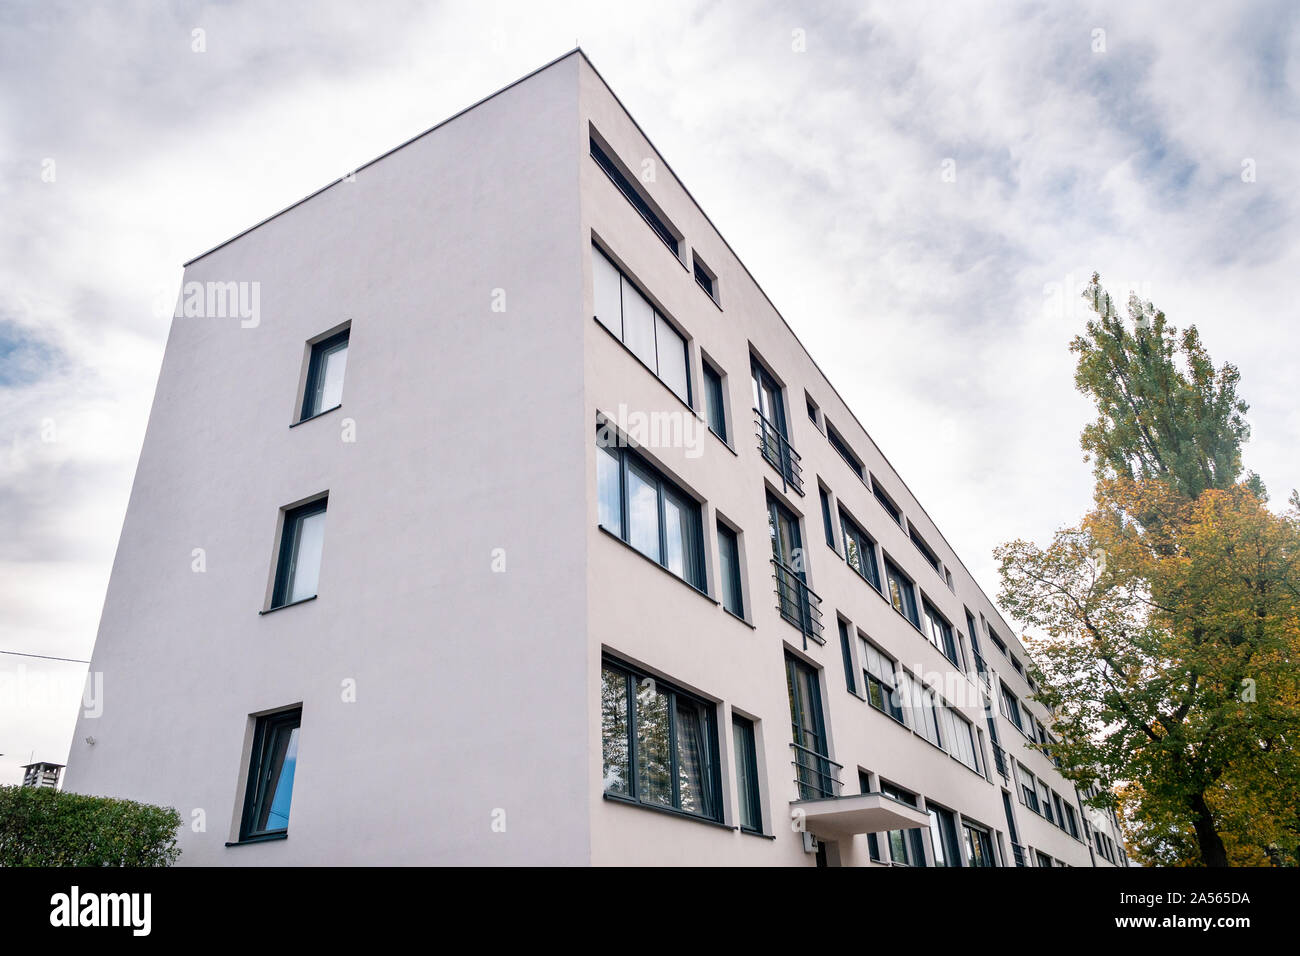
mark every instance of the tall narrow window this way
{"type": "Point", "coordinates": [704, 276]}
{"type": "Point", "coordinates": [747, 774]}
{"type": "Point", "coordinates": [649, 512]}
{"type": "Point", "coordinates": [729, 571]}
{"type": "Point", "coordinates": [302, 539]}
{"type": "Point", "coordinates": [809, 731]}
{"type": "Point", "coordinates": [325, 370]}
{"type": "Point", "coordinates": [902, 593]}
{"type": "Point", "coordinates": [1028, 790]}
{"type": "Point", "coordinates": [847, 654]}
{"type": "Point", "coordinates": [659, 744]}
{"type": "Point", "coordinates": [860, 551]}
{"type": "Point", "coordinates": [629, 316]}
{"type": "Point", "coordinates": [271, 767]}
{"type": "Point", "coordinates": [979, 846]}
{"type": "Point", "coordinates": [943, 837]}
{"type": "Point", "coordinates": [713, 401]}
{"type": "Point", "coordinates": [826, 517]}
{"type": "Point", "coordinates": [906, 847]}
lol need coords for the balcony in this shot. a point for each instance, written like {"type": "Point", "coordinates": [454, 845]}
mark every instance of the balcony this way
{"type": "Point", "coordinates": [797, 602]}
{"type": "Point", "coordinates": [778, 452]}
{"type": "Point", "coordinates": [816, 774]}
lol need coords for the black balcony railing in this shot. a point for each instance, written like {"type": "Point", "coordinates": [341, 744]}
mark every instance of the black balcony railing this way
{"type": "Point", "coordinates": [1000, 761]}
{"type": "Point", "coordinates": [816, 774]}
{"type": "Point", "coordinates": [797, 602]}
{"type": "Point", "coordinates": [1018, 853]}
{"type": "Point", "coordinates": [776, 448]}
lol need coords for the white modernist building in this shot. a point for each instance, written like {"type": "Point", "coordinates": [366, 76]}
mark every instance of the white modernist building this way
{"type": "Point", "coordinates": [577, 558]}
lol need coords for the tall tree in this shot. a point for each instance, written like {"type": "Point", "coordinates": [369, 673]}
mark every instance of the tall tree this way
{"type": "Point", "coordinates": [1172, 611]}
{"type": "Point", "coordinates": [1156, 419]}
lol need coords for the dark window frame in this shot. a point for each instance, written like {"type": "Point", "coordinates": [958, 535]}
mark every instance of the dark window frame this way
{"type": "Point", "coordinates": [658, 225]}
{"type": "Point", "coordinates": [847, 653]}
{"type": "Point", "coordinates": [316, 363]}
{"type": "Point", "coordinates": [736, 578]}
{"type": "Point", "coordinates": [712, 770]}
{"type": "Point", "coordinates": [866, 548]}
{"type": "Point", "coordinates": [748, 790]}
{"type": "Point", "coordinates": [664, 486]}
{"type": "Point", "coordinates": [715, 404]}
{"type": "Point", "coordinates": [913, 612]}
{"type": "Point", "coordinates": [886, 501]}
{"type": "Point", "coordinates": [842, 448]}
{"type": "Point", "coordinates": [287, 553]}
{"type": "Point", "coordinates": [259, 787]}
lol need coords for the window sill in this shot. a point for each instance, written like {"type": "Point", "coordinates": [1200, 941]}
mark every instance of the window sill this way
{"type": "Point", "coordinates": [281, 607]}
{"type": "Point", "coordinates": [745, 621]}
{"type": "Point", "coordinates": [309, 418]}
{"type": "Point", "coordinates": [669, 811]}
{"type": "Point", "coordinates": [264, 838]}
{"type": "Point", "coordinates": [725, 444]}
{"type": "Point", "coordinates": [758, 833]}
{"type": "Point", "coordinates": [712, 298]}
{"type": "Point", "coordinates": [644, 557]}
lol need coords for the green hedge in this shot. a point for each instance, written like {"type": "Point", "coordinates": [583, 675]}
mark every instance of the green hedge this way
{"type": "Point", "coordinates": [46, 827]}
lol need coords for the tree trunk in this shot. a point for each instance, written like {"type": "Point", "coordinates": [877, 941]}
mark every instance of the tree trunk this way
{"type": "Point", "coordinates": [1207, 838]}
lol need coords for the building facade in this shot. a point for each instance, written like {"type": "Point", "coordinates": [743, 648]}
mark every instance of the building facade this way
{"type": "Point", "coordinates": [504, 520]}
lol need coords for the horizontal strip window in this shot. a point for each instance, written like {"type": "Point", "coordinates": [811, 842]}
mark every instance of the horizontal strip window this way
{"type": "Point", "coordinates": [841, 446]}
{"type": "Point", "coordinates": [886, 502]}
{"type": "Point", "coordinates": [634, 196]}
{"type": "Point", "coordinates": [926, 551]}
{"type": "Point", "coordinates": [659, 744]}
{"type": "Point", "coordinates": [629, 316]}
{"type": "Point", "coordinates": [649, 512]}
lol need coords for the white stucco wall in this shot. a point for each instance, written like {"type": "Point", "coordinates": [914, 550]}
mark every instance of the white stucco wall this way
{"type": "Point", "coordinates": [469, 684]}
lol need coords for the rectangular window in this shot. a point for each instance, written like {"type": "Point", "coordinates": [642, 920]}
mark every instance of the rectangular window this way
{"type": "Point", "coordinates": [1010, 706]}
{"type": "Point", "coordinates": [704, 277]}
{"type": "Point", "coordinates": [1071, 821]}
{"type": "Point", "coordinates": [997, 641]}
{"type": "Point", "coordinates": [1043, 858]}
{"type": "Point", "coordinates": [924, 548]}
{"type": "Point", "coordinates": [943, 837]}
{"type": "Point", "coordinates": [826, 517]}
{"type": "Point", "coordinates": [847, 653]}
{"type": "Point", "coordinates": [302, 539]}
{"type": "Point", "coordinates": [729, 571]}
{"type": "Point", "coordinates": [1059, 808]}
{"type": "Point", "coordinates": [742, 732]}
{"type": "Point", "coordinates": [859, 551]}
{"type": "Point", "coordinates": [659, 744]}
{"type": "Point", "coordinates": [979, 846]}
{"type": "Point", "coordinates": [648, 511]}
{"type": "Point", "coordinates": [939, 632]}
{"type": "Point", "coordinates": [841, 446]}
{"type": "Point", "coordinates": [812, 410]}
{"type": "Point", "coordinates": [1045, 800]}
{"type": "Point", "coordinates": [714, 405]}
{"type": "Point", "coordinates": [271, 766]}
{"type": "Point", "coordinates": [628, 314]}
{"type": "Point", "coordinates": [325, 371]}
{"type": "Point", "coordinates": [1028, 791]}
{"type": "Point", "coordinates": [812, 757]}
{"type": "Point", "coordinates": [886, 502]}
{"type": "Point", "coordinates": [959, 737]}
{"type": "Point", "coordinates": [920, 704]}
{"type": "Point", "coordinates": [881, 676]}
{"type": "Point", "coordinates": [901, 592]}
{"type": "Point", "coordinates": [633, 195]}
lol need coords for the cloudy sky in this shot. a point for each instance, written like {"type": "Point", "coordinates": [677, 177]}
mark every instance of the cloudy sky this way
{"type": "Point", "coordinates": [1092, 136]}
